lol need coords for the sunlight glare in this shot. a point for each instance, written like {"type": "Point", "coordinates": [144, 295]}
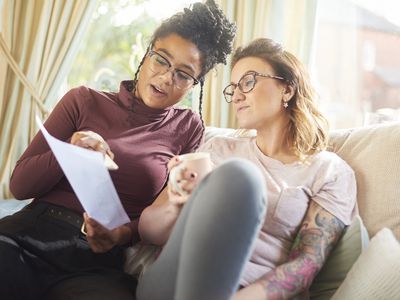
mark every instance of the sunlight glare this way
{"type": "Point", "coordinates": [388, 9]}
{"type": "Point", "coordinates": [158, 9]}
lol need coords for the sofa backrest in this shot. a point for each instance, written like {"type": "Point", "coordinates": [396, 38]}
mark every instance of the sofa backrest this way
{"type": "Point", "coordinates": [374, 154]}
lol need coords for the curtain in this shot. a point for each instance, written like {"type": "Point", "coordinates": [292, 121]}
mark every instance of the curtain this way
{"type": "Point", "coordinates": [38, 40]}
{"type": "Point", "coordinates": [289, 22]}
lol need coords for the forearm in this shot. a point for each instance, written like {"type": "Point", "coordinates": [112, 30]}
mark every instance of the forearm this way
{"type": "Point", "coordinates": [283, 282]}
{"type": "Point", "coordinates": [157, 232]}
{"type": "Point", "coordinates": [129, 233]}
{"type": "Point", "coordinates": [290, 279]}
{"type": "Point", "coordinates": [319, 233]}
{"type": "Point", "coordinates": [122, 236]}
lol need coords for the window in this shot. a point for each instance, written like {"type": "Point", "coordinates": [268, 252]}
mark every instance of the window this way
{"type": "Point", "coordinates": [356, 61]}
{"type": "Point", "coordinates": [116, 41]}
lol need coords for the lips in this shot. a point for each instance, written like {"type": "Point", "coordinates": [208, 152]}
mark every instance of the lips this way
{"type": "Point", "coordinates": [157, 90]}
{"type": "Point", "coordinates": [242, 108]}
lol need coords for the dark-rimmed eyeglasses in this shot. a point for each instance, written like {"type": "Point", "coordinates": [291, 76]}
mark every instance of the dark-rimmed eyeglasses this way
{"type": "Point", "coordinates": [160, 65]}
{"type": "Point", "coordinates": [246, 84]}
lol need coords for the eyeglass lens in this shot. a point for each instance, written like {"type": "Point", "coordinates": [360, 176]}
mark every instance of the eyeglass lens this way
{"type": "Point", "coordinates": [245, 84]}
{"type": "Point", "coordinates": [159, 64]}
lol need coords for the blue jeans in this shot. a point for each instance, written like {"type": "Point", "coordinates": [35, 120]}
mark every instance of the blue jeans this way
{"type": "Point", "coordinates": [212, 238]}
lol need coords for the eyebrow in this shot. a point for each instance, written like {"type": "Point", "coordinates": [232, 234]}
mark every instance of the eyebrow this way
{"type": "Point", "coordinates": [245, 73]}
{"type": "Point", "coordinates": [172, 57]}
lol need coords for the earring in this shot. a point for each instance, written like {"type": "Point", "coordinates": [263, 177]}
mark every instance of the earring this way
{"type": "Point", "coordinates": [285, 104]}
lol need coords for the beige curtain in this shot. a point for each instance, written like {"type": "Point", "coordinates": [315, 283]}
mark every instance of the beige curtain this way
{"type": "Point", "coordinates": [38, 40]}
{"type": "Point", "coordinates": [290, 22]}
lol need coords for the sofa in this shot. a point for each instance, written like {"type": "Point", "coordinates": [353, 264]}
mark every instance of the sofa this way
{"type": "Point", "coordinates": [357, 269]}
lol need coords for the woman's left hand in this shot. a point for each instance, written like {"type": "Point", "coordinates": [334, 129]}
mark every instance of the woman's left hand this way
{"type": "Point", "coordinates": [101, 239]}
{"type": "Point", "coordinates": [185, 178]}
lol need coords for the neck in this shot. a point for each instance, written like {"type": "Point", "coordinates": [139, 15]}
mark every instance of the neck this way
{"type": "Point", "coordinates": [272, 140]}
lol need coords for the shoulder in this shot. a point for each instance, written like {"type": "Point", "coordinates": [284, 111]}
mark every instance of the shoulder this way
{"type": "Point", "coordinates": [185, 114]}
{"type": "Point", "coordinates": [331, 171]}
{"type": "Point", "coordinates": [331, 161]}
{"type": "Point", "coordinates": [76, 96]}
{"type": "Point", "coordinates": [81, 92]}
{"type": "Point", "coordinates": [185, 118]}
{"type": "Point", "coordinates": [222, 148]}
{"type": "Point", "coordinates": [85, 96]}
{"type": "Point", "coordinates": [226, 145]}
{"type": "Point", "coordinates": [186, 126]}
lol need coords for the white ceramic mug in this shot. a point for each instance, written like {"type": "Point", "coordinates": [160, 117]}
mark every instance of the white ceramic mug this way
{"type": "Point", "coordinates": [198, 162]}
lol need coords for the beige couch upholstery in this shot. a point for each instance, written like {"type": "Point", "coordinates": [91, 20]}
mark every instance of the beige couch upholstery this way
{"type": "Point", "coordinates": [374, 154]}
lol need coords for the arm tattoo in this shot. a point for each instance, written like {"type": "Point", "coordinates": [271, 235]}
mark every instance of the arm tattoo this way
{"type": "Point", "coordinates": [317, 236]}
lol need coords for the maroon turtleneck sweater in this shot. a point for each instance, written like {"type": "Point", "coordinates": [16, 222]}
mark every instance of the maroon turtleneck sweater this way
{"type": "Point", "coordinates": [143, 140]}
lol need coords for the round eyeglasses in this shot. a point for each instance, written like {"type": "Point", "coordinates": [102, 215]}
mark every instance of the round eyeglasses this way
{"type": "Point", "coordinates": [160, 65]}
{"type": "Point", "coordinates": [246, 84]}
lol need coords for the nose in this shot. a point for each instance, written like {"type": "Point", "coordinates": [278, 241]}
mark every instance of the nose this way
{"type": "Point", "coordinates": [237, 95]}
{"type": "Point", "coordinates": [168, 76]}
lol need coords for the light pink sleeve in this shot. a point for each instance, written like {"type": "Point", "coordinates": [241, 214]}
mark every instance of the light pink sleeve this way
{"type": "Point", "coordinates": [337, 191]}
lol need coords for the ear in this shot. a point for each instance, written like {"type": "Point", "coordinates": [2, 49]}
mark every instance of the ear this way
{"type": "Point", "coordinates": [287, 92]}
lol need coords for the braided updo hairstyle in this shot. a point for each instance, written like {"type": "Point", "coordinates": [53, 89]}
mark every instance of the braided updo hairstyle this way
{"type": "Point", "coordinates": [206, 26]}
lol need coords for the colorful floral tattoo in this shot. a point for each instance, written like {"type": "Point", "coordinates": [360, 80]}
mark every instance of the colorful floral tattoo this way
{"type": "Point", "coordinates": [317, 236]}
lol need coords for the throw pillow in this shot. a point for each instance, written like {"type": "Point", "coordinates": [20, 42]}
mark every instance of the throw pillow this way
{"type": "Point", "coordinates": [340, 261]}
{"type": "Point", "coordinates": [376, 273]}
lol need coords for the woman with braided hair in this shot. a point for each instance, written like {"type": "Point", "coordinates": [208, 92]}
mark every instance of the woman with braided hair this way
{"type": "Point", "coordinates": [43, 253]}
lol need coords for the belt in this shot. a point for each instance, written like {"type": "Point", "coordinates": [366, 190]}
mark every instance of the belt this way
{"type": "Point", "coordinates": [65, 215]}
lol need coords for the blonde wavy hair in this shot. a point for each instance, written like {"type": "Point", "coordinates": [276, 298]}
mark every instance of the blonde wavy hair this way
{"type": "Point", "coordinates": [308, 128]}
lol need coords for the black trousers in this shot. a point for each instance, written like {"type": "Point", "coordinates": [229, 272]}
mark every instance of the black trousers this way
{"type": "Point", "coordinates": [43, 255]}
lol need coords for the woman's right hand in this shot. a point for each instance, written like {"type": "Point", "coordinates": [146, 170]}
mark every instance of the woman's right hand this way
{"type": "Point", "coordinates": [184, 178]}
{"type": "Point", "coordinates": [91, 140]}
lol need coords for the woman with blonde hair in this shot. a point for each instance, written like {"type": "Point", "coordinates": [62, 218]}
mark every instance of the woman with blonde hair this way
{"type": "Point", "coordinates": [262, 225]}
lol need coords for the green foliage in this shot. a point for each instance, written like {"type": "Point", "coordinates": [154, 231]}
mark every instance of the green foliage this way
{"type": "Point", "coordinates": [110, 52]}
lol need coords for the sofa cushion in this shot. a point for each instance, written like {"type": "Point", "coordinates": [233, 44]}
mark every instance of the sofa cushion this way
{"type": "Point", "coordinates": [343, 256]}
{"type": "Point", "coordinates": [374, 154]}
{"type": "Point", "coordinates": [11, 206]}
{"type": "Point", "coordinates": [376, 273]}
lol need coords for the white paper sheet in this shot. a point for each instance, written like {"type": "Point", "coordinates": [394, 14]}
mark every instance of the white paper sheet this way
{"type": "Point", "coordinates": [89, 179]}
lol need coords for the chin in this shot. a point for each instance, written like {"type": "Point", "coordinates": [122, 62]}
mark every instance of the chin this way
{"type": "Point", "coordinates": [244, 125]}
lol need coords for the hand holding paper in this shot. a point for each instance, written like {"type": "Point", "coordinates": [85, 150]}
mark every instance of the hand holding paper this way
{"type": "Point", "coordinates": [93, 141]}
{"type": "Point", "coordinates": [90, 180]}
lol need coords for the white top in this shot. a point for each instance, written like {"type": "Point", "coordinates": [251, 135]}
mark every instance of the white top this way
{"type": "Point", "coordinates": [325, 178]}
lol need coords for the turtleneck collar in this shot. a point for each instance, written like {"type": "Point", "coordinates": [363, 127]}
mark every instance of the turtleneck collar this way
{"type": "Point", "coordinates": [136, 106]}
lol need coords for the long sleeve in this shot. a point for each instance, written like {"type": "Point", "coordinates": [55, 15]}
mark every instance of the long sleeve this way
{"type": "Point", "coordinates": [37, 171]}
{"type": "Point", "coordinates": [196, 135]}
{"type": "Point", "coordinates": [143, 140]}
